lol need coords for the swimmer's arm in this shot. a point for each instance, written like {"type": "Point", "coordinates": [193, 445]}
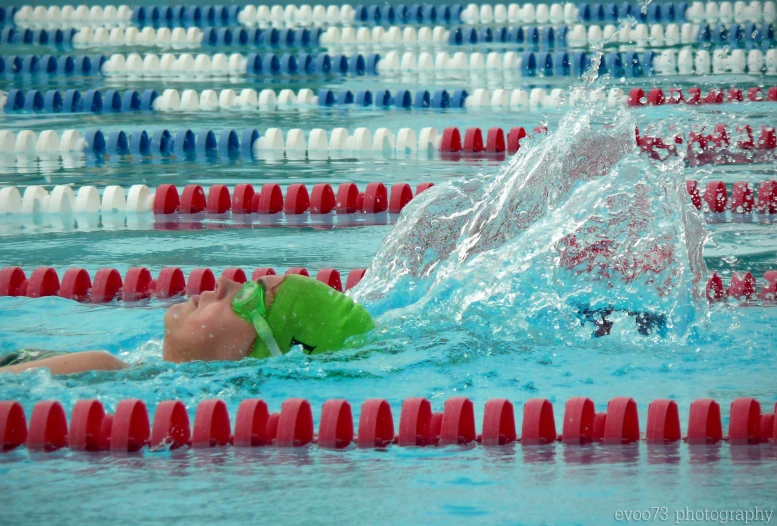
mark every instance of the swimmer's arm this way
{"type": "Point", "coordinates": [71, 363]}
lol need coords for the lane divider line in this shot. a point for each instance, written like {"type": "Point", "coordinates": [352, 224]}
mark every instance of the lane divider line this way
{"type": "Point", "coordinates": [107, 285]}
{"type": "Point", "coordinates": [130, 428]}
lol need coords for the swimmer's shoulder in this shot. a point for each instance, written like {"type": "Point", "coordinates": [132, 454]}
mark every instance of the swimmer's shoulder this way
{"type": "Point", "coordinates": [59, 362]}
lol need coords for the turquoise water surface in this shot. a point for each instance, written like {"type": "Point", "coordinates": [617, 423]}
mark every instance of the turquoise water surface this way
{"type": "Point", "coordinates": [494, 321]}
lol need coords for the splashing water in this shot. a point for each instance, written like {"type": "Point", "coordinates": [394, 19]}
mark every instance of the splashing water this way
{"type": "Point", "coordinates": [576, 220]}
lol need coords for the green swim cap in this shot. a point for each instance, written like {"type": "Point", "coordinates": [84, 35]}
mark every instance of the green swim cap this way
{"type": "Point", "coordinates": [303, 312]}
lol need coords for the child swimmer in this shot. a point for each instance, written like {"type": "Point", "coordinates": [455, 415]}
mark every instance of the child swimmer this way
{"type": "Point", "coordinates": [258, 319]}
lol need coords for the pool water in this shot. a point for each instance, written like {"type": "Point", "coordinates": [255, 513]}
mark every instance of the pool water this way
{"type": "Point", "coordinates": [507, 350]}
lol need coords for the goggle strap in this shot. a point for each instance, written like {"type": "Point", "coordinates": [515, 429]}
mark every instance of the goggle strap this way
{"type": "Point", "coordinates": [264, 333]}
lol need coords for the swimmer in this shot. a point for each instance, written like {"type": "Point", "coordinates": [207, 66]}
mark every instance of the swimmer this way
{"type": "Point", "coordinates": [259, 319]}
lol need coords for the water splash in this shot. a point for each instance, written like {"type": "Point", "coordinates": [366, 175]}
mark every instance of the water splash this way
{"type": "Point", "coordinates": [576, 220]}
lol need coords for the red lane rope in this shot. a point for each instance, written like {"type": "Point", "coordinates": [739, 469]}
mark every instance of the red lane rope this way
{"type": "Point", "coordinates": [375, 199]}
{"type": "Point", "coordinates": [716, 148]}
{"type": "Point", "coordinates": [743, 199]}
{"type": "Point", "coordinates": [694, 96]}
{"type": "Point", "coordinates": [138, 283]}
{"type": "Point", "coordinates": [322, 199]}
{"type": "Point", "coordinates": [130, 428]}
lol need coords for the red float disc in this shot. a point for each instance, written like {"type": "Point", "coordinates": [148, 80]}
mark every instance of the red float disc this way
{"type": "Point", "coordinates": [742, 286]}
{"type": "Point", "coordinates": [514, 137]}
{"type": "Point", "coordinates": [211, 424]}
{"type": "Point", "coordinates": [769, 289]}
{"type": "Point", "coordinates": [200, 280]}
{"type": "Point", "coordinates": [11, 281]}
{"type": "Point", "coordinates": [137, 284]}
{"type": "Point", "coordinates": [166, 200]}
{"type": "Point", "coordinates": [744, 425]}
{"type": "Point", "coordinates": [714, 288]}
{"type": "Point", "coordinates": [76, 284]}
{"type": "Point", "coordinates": [713, 97]}
{"type": "Point", "coordinates": [130, 430]}
{"type": "Point", "coordinates": [697, 138]}
{"type": "Point", "coordinates": [735, 94]}
{"type": "Point", "coordinates": [422, 188]}
{"type": "Point", "coordinates": [376, 424]}
{"type": "Point", "coordinates": [742, 198]}
{"type": "Point", "coordinates": [451, 140]}
{"type": "Point", "coordinates": [716, 196]}
{"type": "Point", "coordinates": [295, 424]}
{"type": "Point", "coordinates": [458, 422]}
{"type": "Point", "coordinates": [235, 274]}
{"type": "Point", "coordinates": [663, 426]}
{"type": "Point", "coordinates": [473, 141]}
{"type": "Point", "coordinates": [269, 200]}
{"type": "Point", "coordinates": [43, 282]}
{"type": "Point", "coordinates": [600, 422]}
{"type": "Point", "coordinates": [251, 424]}
{"type": "Point", "coordinates": [495, 142]}
{"type": "Point", "coordinates": [347, 197]}
{"type": "Point", "coordinates": [107, 285]}
{"type": "Point", "coordinates": [755, 94]}
{"type": "Point", "coordinates": [767, 197]}
{"type": "Point", "coordinates": [297, 199]}
{"type": "Point", "coordinates": [375, 199]}
{"type": "Point", "coordinates": [401, 194]}
{"type": "Point", "coordinates": [767, 427]}
{"type": "Point", "coordinates": [13, 425]}
{"type": "Point", "coordinates": [768, 139]}
{"type": "Point", "coordinates": [694, 96]}
{"type": "Point", "coordinates": [300, 271]}
{"type": "Point", "coordinates": [579, 415]}
{"type": "Point", "coordinates": [539, 424]}
{"type": "Point", "coordinates": [193, 199]}
{"type": "Point", "coordinates": [272, 426]}
{"type": "Point", "coordinates": [360, 202]}
{"type": "Point", "coordinates": [414, 422]}
{"type": "Point", "coordinates": [675, 96]}
{"type": "Point", "coordinates": [704, 424]}
{"type": "Point", "coordinates": [262, 272]}
{"type": "Point", "coordinates": [746, 141]}
{"type": "Point", "coordinates": [171, 425]}
{"type": "Point", "coordinates": [86, 426]}
{"type": "Point", "coordinates": [435, 428]}
{"type": "Point", "coordinates": [322, 200]}
{"type": "Point", "coordinates": [243, 199]}
{"type": "Point", "coordinates": [354, 277]}
{"type": "Point", "coordinates": [622, 421]}
{"type": "Point", "coordinates": [219, 200]}
{"type": "Point", "coordinates": [335, 431]}
{"type": "Point", "coordinates": [771, 94]}
{"type": "Point", "coordinates": [171, 282]}
{"type": "Point", "coordinates": [635, 97]}
{"type": "Point", "coordinates": [720, 136]}
{"type": "Point", "coordinates": [656, 97]}
{"type": "Point", "coordinates": [48, 427]}
{"type": "Point", "coordinates": [540, 130]}
{"type": "Point", "coordinates": [498, 423]}
{"type": "Point", "coordinates": [331, 277]}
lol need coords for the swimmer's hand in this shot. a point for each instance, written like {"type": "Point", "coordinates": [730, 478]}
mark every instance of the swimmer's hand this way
{"type": "Point", "coordinates": [71, 363]}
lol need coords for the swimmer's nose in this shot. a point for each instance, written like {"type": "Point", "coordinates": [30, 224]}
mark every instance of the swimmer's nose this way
{"type": "Point", "coordinates": [226, 288]}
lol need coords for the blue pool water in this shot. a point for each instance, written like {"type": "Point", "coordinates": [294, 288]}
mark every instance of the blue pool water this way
{"type": "Point", "coordinates": [519, 340]}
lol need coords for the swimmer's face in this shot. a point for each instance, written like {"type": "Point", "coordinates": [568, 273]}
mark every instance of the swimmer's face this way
{"type": "Point", "coordinates": [206, 327]}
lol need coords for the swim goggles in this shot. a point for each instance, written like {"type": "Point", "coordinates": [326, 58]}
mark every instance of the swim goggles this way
{"type": "Point", "coordinates": [248, 303]}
